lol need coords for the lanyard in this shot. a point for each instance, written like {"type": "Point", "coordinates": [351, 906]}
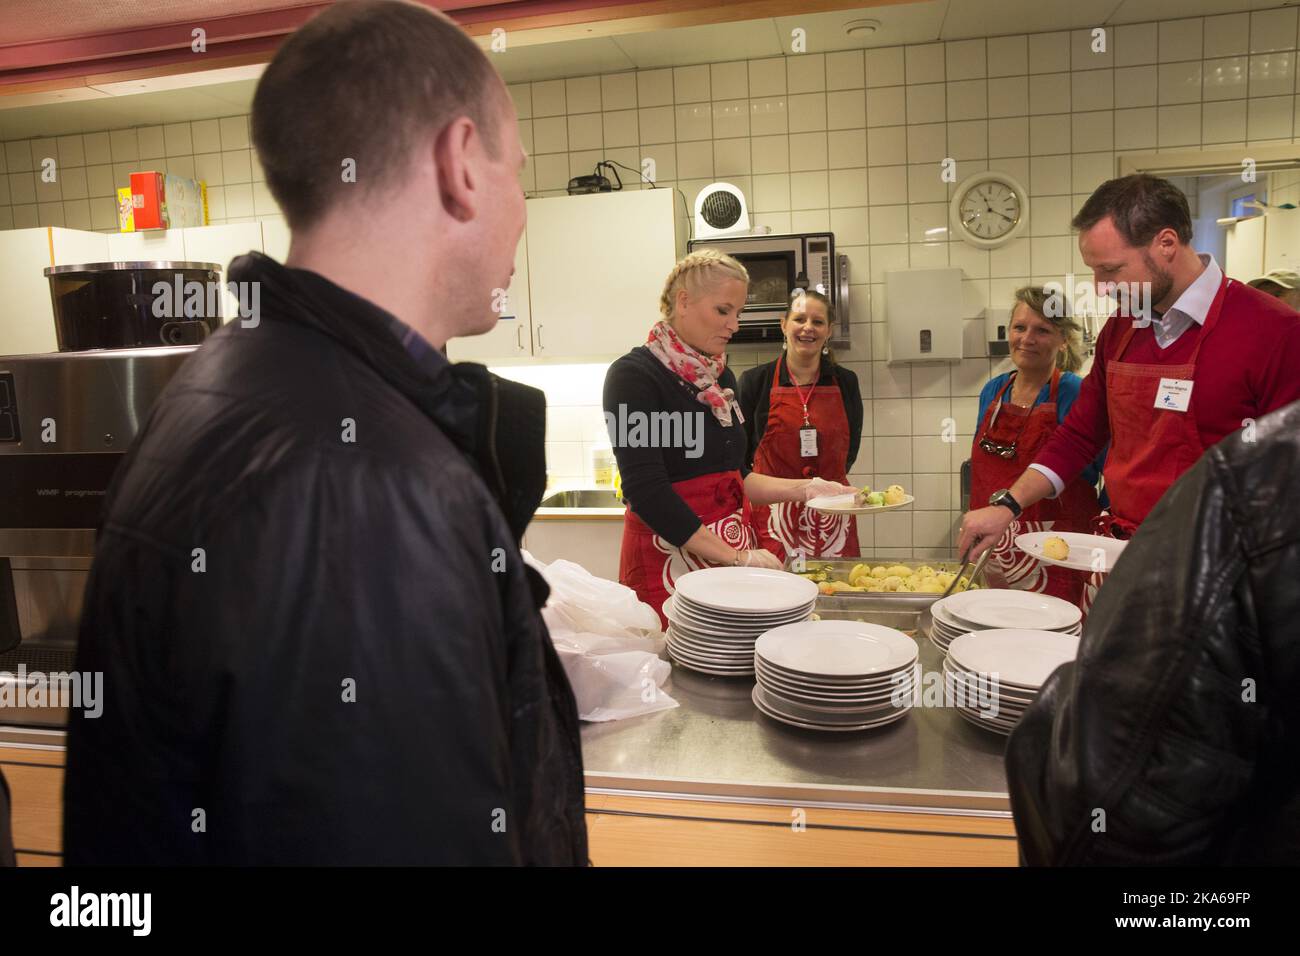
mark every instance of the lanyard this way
{"type": "Point", "coordinates": [798, 391]}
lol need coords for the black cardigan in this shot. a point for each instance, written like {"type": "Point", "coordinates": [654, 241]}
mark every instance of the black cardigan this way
{"type": "Point", "coordinates": [756, 393]}
{"type": "Point", "coordinates": [639, 383]}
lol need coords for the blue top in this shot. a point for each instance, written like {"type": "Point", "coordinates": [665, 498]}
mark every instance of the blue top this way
{"type": "Point", "coordinates": [1066, 393]}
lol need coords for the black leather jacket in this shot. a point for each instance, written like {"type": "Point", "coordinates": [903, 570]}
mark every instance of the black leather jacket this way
{"type": "Point", "coordinates": [359, 672]}
{"type": "Point", "coordinates": [1175, 736]}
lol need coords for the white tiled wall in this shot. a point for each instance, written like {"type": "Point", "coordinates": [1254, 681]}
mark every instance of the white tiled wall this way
{"type": "Point", "coordinates": [848, 141]}
{"type": "Point", "coordinates": [88, 168]}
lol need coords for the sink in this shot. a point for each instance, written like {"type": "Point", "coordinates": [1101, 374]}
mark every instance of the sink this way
{"type": "Point", "coordinates": [582, 498]}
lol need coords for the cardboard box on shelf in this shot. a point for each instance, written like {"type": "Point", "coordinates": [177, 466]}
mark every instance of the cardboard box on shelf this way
{"type": "Point", "coordinates": [160, 201]}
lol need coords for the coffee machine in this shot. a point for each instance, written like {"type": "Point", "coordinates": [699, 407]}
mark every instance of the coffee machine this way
{"type": "Point", "coordinates": [67, 419]}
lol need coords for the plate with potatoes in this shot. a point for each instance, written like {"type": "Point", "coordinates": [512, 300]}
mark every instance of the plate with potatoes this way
{"type": "Point", "coordinates": [1072, 549]}
{"type": "Point", "coordinates": [864, 501]}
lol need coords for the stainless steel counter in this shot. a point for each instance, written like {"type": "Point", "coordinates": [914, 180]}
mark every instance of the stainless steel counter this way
{"type": "Point", "coordinates": [716, 745]}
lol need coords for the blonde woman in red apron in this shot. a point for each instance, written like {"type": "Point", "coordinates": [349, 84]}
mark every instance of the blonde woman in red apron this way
{"type": "Point", "coordinates": [679, 439]}
{"type": "Point", "coordinates": [806, 414]}
{"type": "Point", "coordinates": [1017, 420]}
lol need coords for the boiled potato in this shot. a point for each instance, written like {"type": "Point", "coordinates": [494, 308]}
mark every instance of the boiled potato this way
{"type": "Point", "coordinates": [900, 570]}
{"type": "Point", "coordinates": [1056, 548]}
{"type": "Point", "coordinates": [895, 495]}
{"type": "Point", "coordinates": [879, 572]}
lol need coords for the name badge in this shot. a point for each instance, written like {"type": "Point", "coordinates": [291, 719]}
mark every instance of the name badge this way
{"type": "Point", "coordinates": [807, 443]}
{"type": "Point", "coordinates": [1174, 394]}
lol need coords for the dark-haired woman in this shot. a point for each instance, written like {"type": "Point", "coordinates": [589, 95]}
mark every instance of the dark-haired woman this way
{"type": "Point", "coordinates": [803, 413]}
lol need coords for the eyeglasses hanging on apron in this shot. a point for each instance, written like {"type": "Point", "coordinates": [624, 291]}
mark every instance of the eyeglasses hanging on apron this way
{"type": "Point", "coordinates": [988, 444]}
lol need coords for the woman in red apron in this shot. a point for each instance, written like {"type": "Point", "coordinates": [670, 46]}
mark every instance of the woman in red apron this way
{"type": "Point", "coordinates": [804, 414]}
{"type": "Point", "coordinates": [1009, 435]}
{"type": "Point", "coordinates": [1150, 447]}
{"type": "Point", "coordinates": [678, 435]}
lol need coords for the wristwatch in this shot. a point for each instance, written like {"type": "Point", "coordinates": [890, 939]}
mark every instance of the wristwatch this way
{"type": "Point", "coordinates": [1003, 497]}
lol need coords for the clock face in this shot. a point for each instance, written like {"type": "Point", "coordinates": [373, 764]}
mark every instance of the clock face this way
{"type": "Point", "coordinates": [989, 210]}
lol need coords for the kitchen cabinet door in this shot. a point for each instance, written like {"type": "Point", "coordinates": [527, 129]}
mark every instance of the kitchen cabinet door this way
{"type": "Point", "coordinates": [221, 244]}
{"type": "Point", "coordinates": [275, 238]}
{"type": "Point", "coordinates": [511, 337]}
{"type": "Point", "coordinates": [26, 315]}
{"type": "Point", "coordinates": [1281, 239]}
{"type": "Point", "coordinates": [161, 244]}
{"type": "Point", "coordinates": [597, 266]}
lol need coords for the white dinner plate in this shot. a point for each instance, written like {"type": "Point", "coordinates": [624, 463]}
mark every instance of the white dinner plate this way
{"type": "Point", "coordinates": [721, 655]}
{"type": "Point", "coordinates": [855, 703]}
{"type": "Point", "coordinates": [1086, 550]}
{"type": "Point", "coordinates": [1020, 657]}
{"type": "Point", "coordinates": [819, 695]}
{"type": "Point", "coordinates": [837, 648]}
{"type": "Point", "coordinates": [820, 713]}
{"type": "Point", "coordinates": [983, 724]}
{"type": "Point", "coordinates": [736, 627]}
{"type": "Point", "coordinates": [1004, 607]}
{"type": "Point", "coordinates": [978, 717]}
{"type": "Point", "coordinates": [1011, 696]}
{"type": "Point", "coordinates": [862, 684]}
{"type": "Point", "coordinates": [748, 590]}
{"type": "Point", "coordinates": [709, 669]}
{"type": "Point", "coordinates": [942, 615]}
{"type": "Point", "coordinates": [735, 620]}
{"type": "Point", "coordinates": [764, 707]}
{"type": "Point", "coordinates": [709, 653]}
{"type": "Point", "coordinates": [843, 505]}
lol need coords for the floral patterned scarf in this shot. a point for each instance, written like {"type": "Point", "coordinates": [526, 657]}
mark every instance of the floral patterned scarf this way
{"type": "Point", "coordinates": [698, 369]}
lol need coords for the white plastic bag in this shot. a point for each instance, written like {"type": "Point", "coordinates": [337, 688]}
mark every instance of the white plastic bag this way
{"type": "Point", "coordinates": [608, 642]}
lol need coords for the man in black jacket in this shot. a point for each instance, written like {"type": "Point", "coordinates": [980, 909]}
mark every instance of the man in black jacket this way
{"type": "Point", "coordinates": [1172, 739]}
{"type": "Point", "coordinates": [320, 643]}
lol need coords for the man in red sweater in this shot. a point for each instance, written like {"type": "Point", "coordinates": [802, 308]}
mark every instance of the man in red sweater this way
{"type": "Point", "coordinates": [1213, 356]}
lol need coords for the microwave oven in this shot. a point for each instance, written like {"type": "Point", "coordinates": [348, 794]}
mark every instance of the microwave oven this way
{"type": "Point", "coordinates": [777, 265]}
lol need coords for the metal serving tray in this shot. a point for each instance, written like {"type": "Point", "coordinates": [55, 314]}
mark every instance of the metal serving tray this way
{"type": "Point", "coordinates": [890, 608]}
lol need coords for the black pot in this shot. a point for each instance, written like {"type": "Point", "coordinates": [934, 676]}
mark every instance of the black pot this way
{"type": "Point", "coordinates": [124, 305]}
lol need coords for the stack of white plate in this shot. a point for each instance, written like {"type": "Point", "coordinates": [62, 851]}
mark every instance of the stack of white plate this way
{"type": "Point", "coordinates": [986, 609]}
{"type": "Point", "coordinates": [835, 675]}
{"type": "Point", "coordinates": [717, 613]}
{"type": "Point", "coordinates": [992, 676]}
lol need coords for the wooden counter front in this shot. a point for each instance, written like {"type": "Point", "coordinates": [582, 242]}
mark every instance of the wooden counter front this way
{"type": "Point", "coordinates": [630, 830]}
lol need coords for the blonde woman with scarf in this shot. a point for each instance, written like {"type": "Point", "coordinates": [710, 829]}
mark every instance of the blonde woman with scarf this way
{"type": "Point", "coordinates": [679, 438]}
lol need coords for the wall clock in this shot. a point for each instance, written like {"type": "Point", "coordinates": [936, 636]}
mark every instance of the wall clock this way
{"type": "Point", "coordinates": [989, 209]}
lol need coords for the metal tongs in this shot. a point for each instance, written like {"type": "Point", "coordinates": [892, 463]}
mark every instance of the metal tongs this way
{"type": "Point", "coordinates": [965, 563]}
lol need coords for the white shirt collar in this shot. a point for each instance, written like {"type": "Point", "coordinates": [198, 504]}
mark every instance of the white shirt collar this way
{"type": "Point", "coordinates": [1197, 298]}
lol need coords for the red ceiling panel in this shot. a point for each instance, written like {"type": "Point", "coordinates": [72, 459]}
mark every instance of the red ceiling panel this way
{"type": "Point", "coordinates": [54, 40]}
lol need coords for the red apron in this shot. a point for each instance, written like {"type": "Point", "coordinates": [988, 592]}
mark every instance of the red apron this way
{"type": "Point", "coordinates": [789, 526]}
{"type": "Point", "coordinates": [1073, 510]}
{"type": "Point", "coordinates": [649, 565]}
{"type": "Point", "coordinates": [1150, 447]}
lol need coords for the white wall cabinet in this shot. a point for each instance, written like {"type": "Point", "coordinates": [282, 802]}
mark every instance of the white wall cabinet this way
{"type": "Point", "coordinates": [275, 238]}
{"type": "Point", "coordinates": [221, 244]}
{"type": "Point", "coordinates": [26, 312]}
{"type": "Point", "coordinates": [597, 266]}
{"type": "Point", "coordinates": [512, 336]}
{"type": "Point", "coordinates": [593, 273]}
{"type": "Point", "coordinates": [153, 246]}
